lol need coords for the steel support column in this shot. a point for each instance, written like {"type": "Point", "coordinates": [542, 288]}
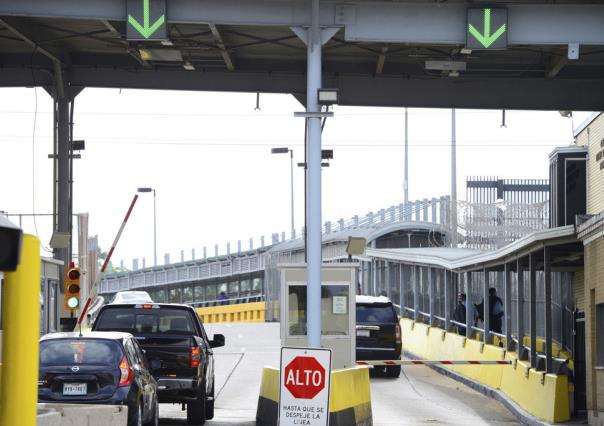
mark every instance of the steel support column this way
{"type": "Point", "coordinates": [549, 366]}
{"type": "Point", "coordinates": [432, 295]}
{"type": "Point", "coordinates": [63, 201]}
{"type": "Point", "coordinates": [486, 338]}
{"type": "Point", "coordinates": [469, 309]}
{"type": "Point", "coordinates": [416, 278]}
{"type": "Point", "coordinates": [402, 288]}
{"type": "Point", "coordinates": [387, 278]}
{"type": "Point", "coordinates": [533, 308]}
{"type": "Point", "coordinates": [520, 307]}
{"type": "Point", "coordinates": [507, 301]}
{"type": "Point", "coordinates": [448, 280]}
{"type": "Point", "coordinates": [313, 84]}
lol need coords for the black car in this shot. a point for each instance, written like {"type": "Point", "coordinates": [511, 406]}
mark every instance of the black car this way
{"type": "Point", "coordinates": [378, 333]}
{"type": "Point", "coordinates": [103, 368]}
{"type": "Point", "coordinates": [178, 350]}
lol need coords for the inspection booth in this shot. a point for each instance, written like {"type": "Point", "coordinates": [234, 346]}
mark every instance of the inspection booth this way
{"type": "Point", "coordinates": [338, 312]}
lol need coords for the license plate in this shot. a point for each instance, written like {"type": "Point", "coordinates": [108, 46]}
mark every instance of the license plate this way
{"type": "Point", "coordinates": [75, 388]}
{"type": "Point", "coordinates": [363, 333]}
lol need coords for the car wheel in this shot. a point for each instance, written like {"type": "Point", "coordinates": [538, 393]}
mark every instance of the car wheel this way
{"type": "Point", "coordinates": [210, 405]}
{"type": "Point", "coordinates": [196, 410]}
{"type": "Point", "coordinates": [393, 370]}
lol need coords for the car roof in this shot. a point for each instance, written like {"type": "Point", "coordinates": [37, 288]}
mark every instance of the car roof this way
{"type": "Point", "coordinates": [161, 305]}
{"type": "Point", "coordinates": [132, 297]}
{"type": "Point", "coordinates": [372, 299]}
{"type": "Point", "coordinates": [103, 335]}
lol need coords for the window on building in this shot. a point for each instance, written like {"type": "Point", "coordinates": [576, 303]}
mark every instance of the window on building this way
{"type": "Point", "coordinates": [234, 289]}
{"type": "Point", "coordinates": [174, 295]}
{"type": "Point", "coordinates": [187, 294]}
{"type": "Point", "coordinates": [159, 296]}
{"type": "Point", "coordinates": [245, 287]}
{"type": "Point", "coordinates": [199, 296]}
{"type": "Point", "coordinates": [211, 292]}
{"type": "Point", "coordinates": [599, 335]}
{"type": "Point", "coordinates": [257, 286]}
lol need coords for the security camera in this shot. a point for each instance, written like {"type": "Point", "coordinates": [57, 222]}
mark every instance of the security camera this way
{"type": "Point", "coordinates": [11, 237]}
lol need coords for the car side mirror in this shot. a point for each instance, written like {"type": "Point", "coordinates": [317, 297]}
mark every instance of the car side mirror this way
{"type": "Point", "coordinates": [217, 341]}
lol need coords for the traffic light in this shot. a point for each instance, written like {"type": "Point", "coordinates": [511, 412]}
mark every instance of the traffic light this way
{"type": "Point", "coordinates": [72, 288]}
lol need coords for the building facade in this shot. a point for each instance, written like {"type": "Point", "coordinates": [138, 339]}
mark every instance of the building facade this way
{"type": "Point", "coordinates": [591, 232]}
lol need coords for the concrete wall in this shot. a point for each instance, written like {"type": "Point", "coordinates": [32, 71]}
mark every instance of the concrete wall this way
{"type": "Point", "coordinates": [82, 415]}
{"type": "Point", "coordinates": [242, 312]}
{"type": "Point", "coordinates": [349, 398]}
{"type": "Point", "coordinates": [545, 396]}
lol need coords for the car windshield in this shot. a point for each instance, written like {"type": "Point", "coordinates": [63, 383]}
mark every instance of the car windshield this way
{"type": "Point", "coordinates": [146, 321]}
{"type": "Point", "coordinates": [375, 313]}
{"type": "Point", "coordinates": [79, 351]}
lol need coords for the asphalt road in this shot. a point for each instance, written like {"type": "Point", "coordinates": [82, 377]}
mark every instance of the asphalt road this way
{"type": "Point", "coordinates": [420, 396]}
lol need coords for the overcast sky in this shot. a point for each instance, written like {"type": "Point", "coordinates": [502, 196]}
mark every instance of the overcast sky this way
{"type": "Point", "coordinates": [208, 156]}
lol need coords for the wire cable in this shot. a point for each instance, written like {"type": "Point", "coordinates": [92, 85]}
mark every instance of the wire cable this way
{"type": "Point", "coordinates": [33, 154]}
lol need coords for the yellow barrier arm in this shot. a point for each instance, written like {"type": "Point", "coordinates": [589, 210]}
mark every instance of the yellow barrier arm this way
{"type": "Point", "coordinates": [21, 319]}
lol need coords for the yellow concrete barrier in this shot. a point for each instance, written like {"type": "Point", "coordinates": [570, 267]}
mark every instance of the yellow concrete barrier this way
{"type": "Point", "coordinates": [349, 397]}
{"type": "Point", "coordinates": [545, 396]}
{"type": "Point", "coordinates": [242, 312]}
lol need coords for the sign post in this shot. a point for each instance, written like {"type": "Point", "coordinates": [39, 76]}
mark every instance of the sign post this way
{"type": "Point", "coordinates": [304, 386]}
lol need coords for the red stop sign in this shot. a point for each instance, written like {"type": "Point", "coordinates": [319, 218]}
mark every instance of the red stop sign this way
{"type": "Point", "coordinates": [304, 377]}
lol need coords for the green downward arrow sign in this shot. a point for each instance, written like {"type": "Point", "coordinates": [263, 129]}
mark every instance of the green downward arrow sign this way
{"type": "Point", "coordinates": [145, 29]}
{"type": "Point", "coordinates": [486, 38]}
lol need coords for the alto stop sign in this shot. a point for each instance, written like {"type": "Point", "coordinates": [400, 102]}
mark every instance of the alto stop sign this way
{"type": "Point", "coordinates": [304, 377]}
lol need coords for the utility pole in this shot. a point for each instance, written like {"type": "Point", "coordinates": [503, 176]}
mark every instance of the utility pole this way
{"type": "Point", "coordinates": [453, 181]}
{"type": "Point", "coordinates": [406, 180]}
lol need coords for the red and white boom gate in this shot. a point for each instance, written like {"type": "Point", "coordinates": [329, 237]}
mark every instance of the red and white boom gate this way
{"type": "Point", "coordinates": [431, 362]}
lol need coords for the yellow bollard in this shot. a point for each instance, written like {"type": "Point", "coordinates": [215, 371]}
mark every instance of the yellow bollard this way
{"type": "Point", "coordinates": [21, 319]}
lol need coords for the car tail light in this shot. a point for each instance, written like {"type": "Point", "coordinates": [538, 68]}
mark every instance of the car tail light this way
{"type": "Point", "coordinates": [195, 357]}
{"type": "Point", "coordinates": [398, 332]}
{"type": "Point", "coordinates": [126, 373]}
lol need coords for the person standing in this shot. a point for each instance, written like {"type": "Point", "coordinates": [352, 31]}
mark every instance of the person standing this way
{"type": "Point", "coordinates": [459, 315]}
{"type": "Point", "coordinates": [495, 311]}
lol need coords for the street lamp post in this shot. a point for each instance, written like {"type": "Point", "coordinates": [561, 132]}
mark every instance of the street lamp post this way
{"type": "Point", "coordinates": [154, 223]}
{"type": "Point", "coordinates": [291, 180]}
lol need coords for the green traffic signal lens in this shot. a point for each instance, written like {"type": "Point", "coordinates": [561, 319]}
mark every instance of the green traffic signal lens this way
{"type": "Point", "coordinates": [73, 302]}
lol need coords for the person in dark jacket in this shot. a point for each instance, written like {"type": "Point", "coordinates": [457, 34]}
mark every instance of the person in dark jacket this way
{"type": "Point", "coordinates": [459, 314]}
{"type": "Point", "coordinates": [495, 311]}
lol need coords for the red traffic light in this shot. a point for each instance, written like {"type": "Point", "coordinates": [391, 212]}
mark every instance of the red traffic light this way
{"type": "Point", "coordinates": [73, 274]}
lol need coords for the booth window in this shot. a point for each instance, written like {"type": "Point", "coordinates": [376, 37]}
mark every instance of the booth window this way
{"type": "Point", "coordinates": [334, 310]}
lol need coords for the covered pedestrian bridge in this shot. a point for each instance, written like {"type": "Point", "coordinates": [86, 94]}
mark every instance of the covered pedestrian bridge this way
{"type": "Point", "coordinates": [537, 277]}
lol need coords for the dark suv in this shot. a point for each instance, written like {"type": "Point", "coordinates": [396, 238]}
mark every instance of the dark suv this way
{"type": "Point", "coordinates": [98, 368]}
{"type": "Point", "coordinates": [378, 333]}
{"type": "Point", "coordinates": [178, 350]}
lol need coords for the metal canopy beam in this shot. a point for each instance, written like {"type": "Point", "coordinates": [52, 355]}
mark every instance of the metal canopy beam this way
{"type": "Point", "coordinates": [529, 24]}
{"type": "Point", "coordinates": [544, 94]}
{"type": "Point", "coordinates": [228, 61]}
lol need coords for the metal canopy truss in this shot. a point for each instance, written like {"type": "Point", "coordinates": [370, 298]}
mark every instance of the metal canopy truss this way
{"type": "Point", "coordinates": [377, 57]}
{"type": "Point", "coordinates": [401, 22]}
